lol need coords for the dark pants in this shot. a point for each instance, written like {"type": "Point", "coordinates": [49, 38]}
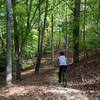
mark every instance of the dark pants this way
{"type": "Point", "coordinates": [62, 68]}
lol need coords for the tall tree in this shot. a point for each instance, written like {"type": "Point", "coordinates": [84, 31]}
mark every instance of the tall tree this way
{"type": "Point", "coordinates": [52, 34]}
{"type": "Point", "coordinates": [52, 39]}
{"type": "Point", "coordinates": [76, 31]}
{"type": "Point", "coordinates": [16, 41]}
{"type": "Point", "coordinates": [9, 56]}
{"type": "Point", "coordinates": [84, 28]}
{"type": "Point", "coordinates": [66, 29]}
{"type": "Point", "coordinates": [38, 62]}
{"type": "Point", "coordinates": [39, 37]}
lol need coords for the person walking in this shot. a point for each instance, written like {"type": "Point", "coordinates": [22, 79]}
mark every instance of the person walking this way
{"type": "Point", "coordinates": [63, 62]}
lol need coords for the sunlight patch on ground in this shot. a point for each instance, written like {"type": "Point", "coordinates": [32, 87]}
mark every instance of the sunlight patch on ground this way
{"type": "Point", "coordinates": [44, 93]}
{"type": "Point", "coordinates": [27, 72]}
{"type": "Point", "coordinates": [68, 93]}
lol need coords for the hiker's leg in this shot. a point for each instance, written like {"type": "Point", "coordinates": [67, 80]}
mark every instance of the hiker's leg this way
{"type": "Point", "coordinates": [59, 75]}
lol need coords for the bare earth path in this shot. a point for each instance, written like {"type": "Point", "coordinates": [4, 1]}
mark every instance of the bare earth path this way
{"type": "Point", "coordinates": [86, 86]}
{"type": "Point", "coordinates": [42, 87]}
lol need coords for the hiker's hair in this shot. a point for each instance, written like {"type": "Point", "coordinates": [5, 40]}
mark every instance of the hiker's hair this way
{"type": "Point", "coordinates": [61, 53]}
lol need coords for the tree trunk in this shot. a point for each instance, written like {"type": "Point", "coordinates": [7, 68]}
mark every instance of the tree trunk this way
{"type": "Point", "coordinates": [76, 31]}
{"type": "Point", "coordinates": [42, 38]}
{"type": "Point", "coordinates": [16, 41]}
{"type": "Point", "coordinates": [39, 37]}
{"type": "Point", "coordinates": [52, 42]}
{"type": "Point", "coordinates": [65, 33]}
{"type": "Point", "coordinates": [9, 56]}
{"type": "Point", "coordinates": [84, 31]}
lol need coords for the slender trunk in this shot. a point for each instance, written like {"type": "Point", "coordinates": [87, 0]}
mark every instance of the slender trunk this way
{"type": "Point", "coordinates": [9, 56]}
{"type": "Point", "coordinates": [76, 31]}
{"type": "Point", "coordinates": [16, 41]}
{"type": "Point", "coordinates": [65, 34]}
{"type": "Point", "coordinates": [52, 42]}
{"type": "Point", "coordinates": [42, 38]}
{"type": "Point", "coordinates": [59, 42]}
{"type": "Point", "coordinates": [84, 31]}
{"type": "Point", "coordinates": [39, 37]}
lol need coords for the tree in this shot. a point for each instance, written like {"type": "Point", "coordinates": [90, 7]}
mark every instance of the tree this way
{"type": "Point", "coordinates": [39, 37]}
{"type": "Point", "coordinates": [38, 62]}
{"type": "Point", "coordinates": [9, 58]}
{"type": "Point", "coordinates": [66, 29]}
{"type": "Point", "coordinates": [76, 31]}
{"type": "Point", "coordinates": [16, 41]}
{"type": "Point", "coordinates": [52, 40]}
{"type": "Point", "coordinates": [84, 28]}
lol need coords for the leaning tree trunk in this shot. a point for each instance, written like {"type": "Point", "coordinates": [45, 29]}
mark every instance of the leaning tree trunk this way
{"type": "Point", "coordinates": [16, 41]}
{"type": "Point", "coordinates": [9, 58]}
{"type": "Point", "coordinates": [76, 31]}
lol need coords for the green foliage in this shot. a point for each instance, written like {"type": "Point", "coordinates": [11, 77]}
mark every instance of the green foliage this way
{"type": "Point", "coordinates": [31, 46]}
{"type": "Point", "coordinates": [2, 59]}
{"type": "Point", "coordinates": [61, 9]}
{"type": "Point", "coordinates": [90, 42]}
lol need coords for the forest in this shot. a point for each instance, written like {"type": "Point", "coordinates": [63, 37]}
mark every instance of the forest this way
{"type": "Point", "coordinates": [33, 33]}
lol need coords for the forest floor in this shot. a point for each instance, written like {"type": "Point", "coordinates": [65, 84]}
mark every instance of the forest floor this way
{"type": "Point", "coordinates": [82, 85]}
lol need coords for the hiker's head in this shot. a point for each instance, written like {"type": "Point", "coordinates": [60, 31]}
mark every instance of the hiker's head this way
{"type": "Point", "coordinates": [61, 53]}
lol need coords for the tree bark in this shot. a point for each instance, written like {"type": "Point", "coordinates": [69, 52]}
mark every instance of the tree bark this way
{"type": "Point", "coordinates": [65, 32]}
{"type": "Point", "coordinates": [52, 41]}
{"type": "Point", "coordinates": [16, 41]}
{"type": "Point", "coordinates": [39, 41]}
{"type": "Point", "coordinates": [42, 38]}
{"type": "Point", "coordinates": [84, 31]}
{"type": "Point", "coordinates": [9, 56]}
{"type": "Point", "coordinates": [76, 31]}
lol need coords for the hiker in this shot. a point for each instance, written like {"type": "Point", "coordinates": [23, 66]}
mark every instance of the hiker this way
{"type": "Point", "coordinates": [63, 62]}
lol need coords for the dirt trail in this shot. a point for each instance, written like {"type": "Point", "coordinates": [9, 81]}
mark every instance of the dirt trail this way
{"type": "Point", "coordinates": [83, 84]}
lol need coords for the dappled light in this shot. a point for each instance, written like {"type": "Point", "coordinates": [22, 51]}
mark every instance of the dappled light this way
{"type": "Point", "coordinates": [41, 93]}
{"type": "Point", "coordinates": [44, 86]}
